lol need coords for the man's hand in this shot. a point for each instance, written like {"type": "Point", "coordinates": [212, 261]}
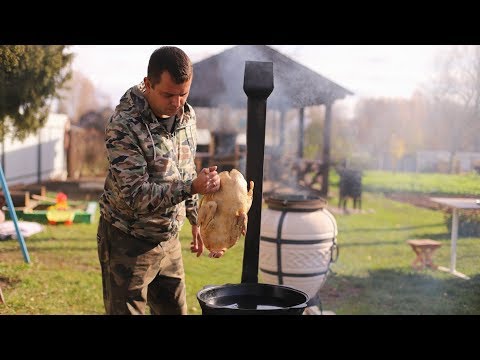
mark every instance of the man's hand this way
{"type": "Point", "coordinates": [197, 242]}
{"type": "Point", "coordinates": [206, 182]}
{"type": "Point", "coordinates": [217, 254]}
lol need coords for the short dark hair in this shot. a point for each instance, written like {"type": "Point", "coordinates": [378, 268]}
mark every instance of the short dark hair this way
{"type": "Point", "coordinates": [171, 59]}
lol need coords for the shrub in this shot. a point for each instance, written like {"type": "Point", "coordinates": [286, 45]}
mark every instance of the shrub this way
{"type": "Point", "coordinates": [468, 223]}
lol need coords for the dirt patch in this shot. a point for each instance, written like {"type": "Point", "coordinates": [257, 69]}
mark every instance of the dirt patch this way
{"type": "Point", "coordinates": [348, 211]}
{"type": "Point", "coordinates": [6, 282]}
{"type": "Point", "coordinates": [414, 199]}
{"type": "Point", "coordinates": [330, 292]}
{"type": "Point", "coordinates": [56, 261]}
{"type": "Point", "coordinates": [421, 200]}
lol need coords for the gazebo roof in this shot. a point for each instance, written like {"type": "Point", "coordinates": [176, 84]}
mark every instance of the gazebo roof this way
{"type": "Point", "coordinates": [218, 80]}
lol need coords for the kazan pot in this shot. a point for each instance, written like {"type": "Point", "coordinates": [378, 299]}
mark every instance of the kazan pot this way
{"type": "Point", "coordinates": [251, 299]}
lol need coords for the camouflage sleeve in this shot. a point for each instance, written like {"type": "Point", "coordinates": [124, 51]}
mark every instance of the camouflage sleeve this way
{"type": "Point", "coordinates": [129, 168]}
{"type": "Point", "coordinates": [191, 204]}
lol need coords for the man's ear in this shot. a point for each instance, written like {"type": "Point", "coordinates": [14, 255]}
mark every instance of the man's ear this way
{"type": "Point", "coordinates": [148, 84]}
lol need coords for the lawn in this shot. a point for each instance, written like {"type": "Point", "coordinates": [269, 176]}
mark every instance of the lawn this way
{"type": "Point", "coordinates": [373, 274]}
{"type": "Point", "coordinates": [438, 184]}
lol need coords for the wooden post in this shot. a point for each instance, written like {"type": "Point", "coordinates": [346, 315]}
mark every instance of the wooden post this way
{"type": "Point", "coordinates": [27, 199]}
{"type": "Point", "coordinates": [39, 158]}
{"type": "Point", "coordinates": [327, 130]}
{"type": "Point", "coordinates": [301, 125]}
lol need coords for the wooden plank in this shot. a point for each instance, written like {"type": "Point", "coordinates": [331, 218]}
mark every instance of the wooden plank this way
{"type": "Point", "coordinates": [53, 200]}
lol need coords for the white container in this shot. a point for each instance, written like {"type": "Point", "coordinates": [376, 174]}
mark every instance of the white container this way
{"type": "Point", "coordinates": [297, 248]}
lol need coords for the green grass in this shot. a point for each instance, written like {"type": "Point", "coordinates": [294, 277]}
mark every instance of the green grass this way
{"type": "Point", "coordinates": [64, 274]}
{"type": "Point", "coordinates": [440, 184]}
{"type": "Point", "coordinates": [62, 278]}
{"type": "Point", "coordinates": [372, 275]}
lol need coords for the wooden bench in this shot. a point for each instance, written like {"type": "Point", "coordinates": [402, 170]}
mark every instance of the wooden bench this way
{"type": "Point", "coordinates": [424, 249]}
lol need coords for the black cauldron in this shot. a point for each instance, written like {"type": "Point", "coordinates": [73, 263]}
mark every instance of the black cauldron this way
{"type": "Point", "coordinates": [251, 299]}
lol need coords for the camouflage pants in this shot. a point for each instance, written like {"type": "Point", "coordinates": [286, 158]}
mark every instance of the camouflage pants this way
{"type": "Point", "coordinates": [136, 273]}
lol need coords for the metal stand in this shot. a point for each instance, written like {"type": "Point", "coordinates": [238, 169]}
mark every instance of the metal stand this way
{"type": "Point", "coordinates": [455, 204]}
{"type": "Point", "coordinates": [453, 254]}
{"type": "Point", "coordinates": [13, 216]}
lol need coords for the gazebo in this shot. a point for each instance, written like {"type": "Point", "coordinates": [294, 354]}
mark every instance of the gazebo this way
{"type": "Point", "coordinates": [218, 81]}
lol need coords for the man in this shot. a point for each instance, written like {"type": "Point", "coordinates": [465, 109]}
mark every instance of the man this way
{"type": "Point", "coordinates": [150, 188]}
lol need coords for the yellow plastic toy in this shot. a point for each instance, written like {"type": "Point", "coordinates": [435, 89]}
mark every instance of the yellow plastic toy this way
{"type": "Point", "coordinates": [60, 212]}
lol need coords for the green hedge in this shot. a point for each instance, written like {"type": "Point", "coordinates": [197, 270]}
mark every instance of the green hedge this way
{"type": "Point", "coordinates": [468, 223]}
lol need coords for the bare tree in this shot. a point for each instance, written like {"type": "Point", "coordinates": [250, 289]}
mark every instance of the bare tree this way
{"type": "Point", "coordinates": [456, 96]}
{"type": "Point", "coordinates": [389, 129]}
{"type": "Point", "coordinates": [79, 97]}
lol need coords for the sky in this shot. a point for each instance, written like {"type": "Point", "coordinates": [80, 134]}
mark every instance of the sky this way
{"type": "Point", "coordinates": [367, 70]}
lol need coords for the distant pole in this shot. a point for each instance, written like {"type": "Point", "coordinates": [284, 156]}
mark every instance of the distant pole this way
{"type": "Point", "coordinates": [13, 216]}
{"type": "Point", "coordinates": [39, 158]}
{"type": "Point", "coordinates": [301, 130]}
{"type": "Point", "coordinates": [327, 133]}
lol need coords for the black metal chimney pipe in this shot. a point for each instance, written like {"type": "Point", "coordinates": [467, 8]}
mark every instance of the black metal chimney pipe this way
{"type": "Point", "coordinates": [258, 85]}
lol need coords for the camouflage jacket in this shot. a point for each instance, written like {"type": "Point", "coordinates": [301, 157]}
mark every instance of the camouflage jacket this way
{"type": "Point", "coordinates": [147, 194]}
